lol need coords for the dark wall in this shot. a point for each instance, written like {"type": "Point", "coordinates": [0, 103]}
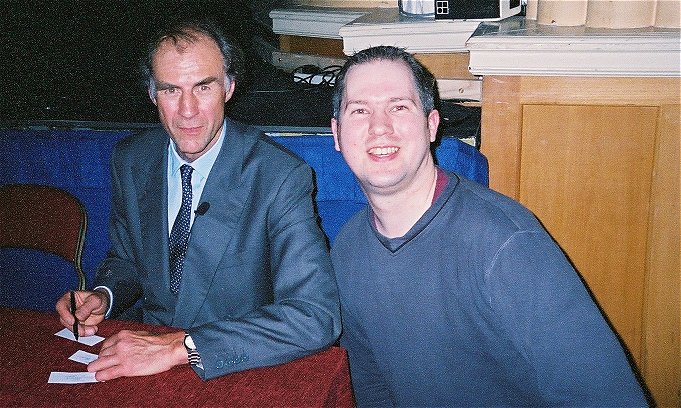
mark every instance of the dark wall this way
{"type": "Point", "coordinates": [77, 60]}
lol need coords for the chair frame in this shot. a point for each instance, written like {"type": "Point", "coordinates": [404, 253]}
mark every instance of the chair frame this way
{"type": "Point", "coordinates": [28, 196]}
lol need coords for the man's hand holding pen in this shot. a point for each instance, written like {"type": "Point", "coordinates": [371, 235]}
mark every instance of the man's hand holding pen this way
{"type": "Point", "coordinates": [126, 353]}
{"type": "Point", "coordinates": [82, 311]}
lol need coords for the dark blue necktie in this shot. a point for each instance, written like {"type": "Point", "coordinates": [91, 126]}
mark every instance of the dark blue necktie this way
{"type": "Point", "coordinates": [179, 235]}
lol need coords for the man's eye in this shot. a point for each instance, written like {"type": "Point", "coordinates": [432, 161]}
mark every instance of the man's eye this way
{"type": "Point", "coordinates": [399, 108]}
{"type": "Point", "coordinates": [204, 88]}
{"type": "Point", "coordinates": [169, 91]}
{"type": "Point", "coordinates": [358, 111]}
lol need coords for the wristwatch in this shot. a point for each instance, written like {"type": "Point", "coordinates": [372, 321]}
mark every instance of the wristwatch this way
{"type": "Point", "coordinates": [192, 353]}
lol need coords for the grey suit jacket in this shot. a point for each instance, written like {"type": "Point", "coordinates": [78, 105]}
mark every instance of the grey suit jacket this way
{"type": "Point", "coordinates": [257, 287]}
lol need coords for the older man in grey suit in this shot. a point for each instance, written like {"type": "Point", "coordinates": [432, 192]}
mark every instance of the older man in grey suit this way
{"type": "Point", "coordinates": [213, 231]}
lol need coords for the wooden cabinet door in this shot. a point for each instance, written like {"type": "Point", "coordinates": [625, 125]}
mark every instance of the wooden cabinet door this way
{"type": "Point", "coordinates": [586, 173]}
{"type": "Point", "coordinates": [597, 160]}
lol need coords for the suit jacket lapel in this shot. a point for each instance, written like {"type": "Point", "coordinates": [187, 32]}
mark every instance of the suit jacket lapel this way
{"type": "Point", "coordinates": [151, 182]}
{"type": "Point", "coordinates": [212, 232]}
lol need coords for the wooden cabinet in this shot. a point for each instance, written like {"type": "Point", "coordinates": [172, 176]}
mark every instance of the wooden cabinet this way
{"type": "Point", "coordinates": [597, 160]}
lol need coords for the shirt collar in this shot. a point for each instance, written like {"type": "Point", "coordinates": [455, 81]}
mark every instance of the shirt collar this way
{"type": "Point", "coordinates": [203, 164]}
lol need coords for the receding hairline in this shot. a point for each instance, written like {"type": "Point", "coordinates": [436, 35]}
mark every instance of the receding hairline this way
{"type": "Point", "coordinates": [188, 38]}
{"type": "Point", "coordinates": [345, 102]}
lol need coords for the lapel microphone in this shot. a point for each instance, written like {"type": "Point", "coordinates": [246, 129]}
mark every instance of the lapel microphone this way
{"type": "Point", "coordinates": [202, 208]}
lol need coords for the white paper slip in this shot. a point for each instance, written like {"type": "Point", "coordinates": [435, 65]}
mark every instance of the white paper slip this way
{"type": "Point", "coordinates": [57, 377]}
{"type": "Point", "coordinates": [84, 357]}
{"type": "Point", "coordinates": [87, 340]}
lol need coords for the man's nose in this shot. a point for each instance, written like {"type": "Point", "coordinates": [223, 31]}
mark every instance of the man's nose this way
{"type": "Point", "coordinates": [380, 123]}
{"type": "Point", "coordinates": [189, 105]}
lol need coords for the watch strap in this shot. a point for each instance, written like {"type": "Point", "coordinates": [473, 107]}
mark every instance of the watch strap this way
{"type": "Point", "coordinates": [193, 356]}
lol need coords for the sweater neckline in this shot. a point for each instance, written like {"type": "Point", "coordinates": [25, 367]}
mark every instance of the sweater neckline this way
{"type": "Point", "coordinates": [442, 195]}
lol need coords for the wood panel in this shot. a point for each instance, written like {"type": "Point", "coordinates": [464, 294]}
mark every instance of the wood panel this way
{"type": "Point", "coordinates": [662, 331]}
{"type": "Point", "coordinates": [503, 97]}
{"type": "Point", "coordinates": [599, 91]}
{"type": "Point", "coordinates": [327, 47]}
{"type": "Point", "coordinates": [586, 173]}
{"type": "Point", "coordinates": [448, 65]}
{"type": "Point", "coordinates": [500, 129]}
{"type": "Point", "coordinates": [631, 211]}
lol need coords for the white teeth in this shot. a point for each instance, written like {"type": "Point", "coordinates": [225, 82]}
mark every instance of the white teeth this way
{"type": "Point", "coordinates": [382, 151]}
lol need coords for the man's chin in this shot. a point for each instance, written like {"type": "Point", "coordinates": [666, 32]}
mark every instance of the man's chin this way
{"type": "Point", "coordinates": [382, 185]}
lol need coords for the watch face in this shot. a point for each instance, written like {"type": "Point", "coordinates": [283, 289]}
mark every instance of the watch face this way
{"type": "Point", "coordinates": [188, 342]}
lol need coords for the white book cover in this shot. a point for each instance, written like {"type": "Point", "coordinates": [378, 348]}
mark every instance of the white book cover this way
{"type": "Point", "coordinates": [388, 27]}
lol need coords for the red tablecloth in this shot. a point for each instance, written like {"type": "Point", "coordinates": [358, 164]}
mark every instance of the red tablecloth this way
{"type": "Point", "coordinates": [30, 351]}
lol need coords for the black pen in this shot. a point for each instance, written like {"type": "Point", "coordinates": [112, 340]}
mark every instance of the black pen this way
{"type": "Point", "coordinates": [73, 312]}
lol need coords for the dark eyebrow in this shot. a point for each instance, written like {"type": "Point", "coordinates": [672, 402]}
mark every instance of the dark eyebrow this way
{"type": "Point", "coordinates": [160, 85]}
{"type": "Point", "coordinates": [401, 99]}
{"type": "Point", "coordinates": [207, 81]}
{"type": "Point", "coordinates": [391, 100]}
{"type": "Point", "coordinates": [357, 101]}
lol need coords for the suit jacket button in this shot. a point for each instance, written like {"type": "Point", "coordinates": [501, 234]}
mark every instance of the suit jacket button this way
{"type": "Point", "coordinates": [219, 364]}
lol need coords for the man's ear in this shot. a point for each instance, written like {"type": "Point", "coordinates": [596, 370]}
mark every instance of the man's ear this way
{"type": "Point", "coordinates": [433, 123]}
{"type": "Point", "coordinates": [229, 91]}
{"type": "Point", "coordinates": [334, 130]}
{"type": "Point", "coordinates": [152, 95]}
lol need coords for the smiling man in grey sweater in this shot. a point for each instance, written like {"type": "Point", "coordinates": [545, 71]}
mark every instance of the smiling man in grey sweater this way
{"type": "Point", "coordinates": [452, 294]}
